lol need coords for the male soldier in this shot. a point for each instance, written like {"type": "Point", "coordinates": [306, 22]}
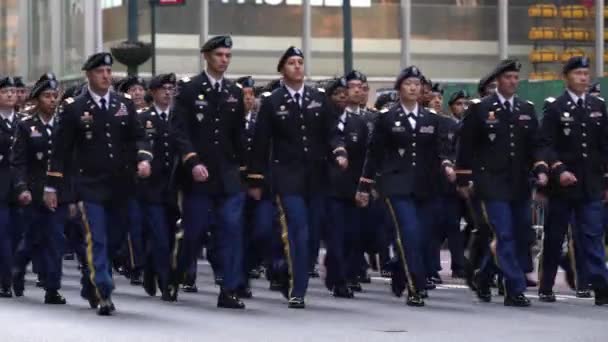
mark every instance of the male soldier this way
{"type": "Point", "coordinates": [458, 104]}
{"type": "Point", "coordinates": [156, 198]}
{"type": "Point", "coordinates": [22, 95]}
{"type": "Point", "coordinates": [575, 138]}
{"type": "Point", "coordinates": [498, 149]}
{"type": "Point", "coordinates": [294, 125]}
{"type": "Point", "coordinates": [436, 98]}
{"type": "Point", "coordinates": [406, 150]}
{"type": "Point", "coordinates": [8, 122]}
{"type": "Point", "coordinates": [487, 85]}
{"type": "Point", "coordinates": [29, 161]}
{"type": "Point", "coordinates": [135, 86]}
{"type": "Point", "coordinates": [208, 120]}
{"type": "Point", "coordinates": [343, 246]}
{"type": "Point", "coordinates": [96, 131]}
{"type": "Point", "coordinates": [595, 89]}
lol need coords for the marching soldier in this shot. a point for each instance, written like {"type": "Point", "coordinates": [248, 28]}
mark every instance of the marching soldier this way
{"type": "Point", "coordinates": [293, 128]}
{"type": "Point", "coordinates": [96, 131]}
{"type": "Point", "coordinates": [436, 98]}
{"type": "Point", "coordinates": [135, 86]}
{"type": "Point", "coordinates": [498, 150]}
{"type": "Point", "coordinates": [8, 122]}
{"type": "Point", "coordinates": [345, 218]}
{"type": "Point", "coordinates": [405, 149]}
{"type": "Point", "coordinates": [575, 138]}
{"type": "Point", "coordinates": [208, 119]}
{"type": "Point", "coordinates": [29, 160]}
{"type": "Point", "coordinates": [595, 89]}
{"type": "Point", "coordinates": [157, 199]}
{"type": "Point", "coordinates": [22, 95]}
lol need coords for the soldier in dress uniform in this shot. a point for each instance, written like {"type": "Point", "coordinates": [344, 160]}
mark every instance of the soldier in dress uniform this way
{"type": "Point", "coordinates": [135, 86]}
{"type": "Point", "coordinates": [487, 85]}
{"type": "Point", "coordinates": [294, 129]}
{"type": "Point", "coordinates": [406, 150]}
{"type": "Point", "coordinates": [208, 120]}
{"type": "Point", "coordinates": [157, 199]}
{"type": "Point", "coordinates": [436, 98]}
{"type": "Point", "coordinates": [22, 94]}
{"type": "Point", "coordinates": [8, 219]}
{"type": "Point", "coordinates": [575, 138]}
{"type": "Point", "coordinates": [595, 89]}
{"type": "Point", "coordinates": [96, 131]}
{"type": "Point", "coordinates": [42, 236]}
{"type": "Point", "coordinates": [498, 151]}
{"type": "Point", "coordinates": [345, 219]}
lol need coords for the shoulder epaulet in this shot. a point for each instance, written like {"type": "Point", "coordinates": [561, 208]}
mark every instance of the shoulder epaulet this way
{"type": "Point", "coordinates": [432, 111]}
{"type": "Point", "coordinates": [384, 110]}
{"type": "Point", "coordinates": [126, 96]}
{"type": "Point", "coordinates": [266, 94]}
{"type": "Point", "coordinates": [185, 79]}
{"type": "Point", "coordinates": [321, 90]}
{"type": "Point", "coordinates": [26, 118]}
{"type": "Point", "coordinates": [550, 99]}
{"type": "Point", "coordinates": [239, 85]}
{"type": "Point", "coordinates": [530, 102]}
{"type": "Point", "coordinates": [601, 99]}
{"type": "Point", "coordinates": [476, 101]}
{"type": "Point", "coordinates": [69, 100]}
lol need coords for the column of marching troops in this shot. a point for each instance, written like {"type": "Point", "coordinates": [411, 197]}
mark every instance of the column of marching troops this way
{"type": "Point", "coordinates": [137, 180]}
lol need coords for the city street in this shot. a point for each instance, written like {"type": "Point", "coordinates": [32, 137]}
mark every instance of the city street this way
{"type": "Point", "coordinates": [452, 314]}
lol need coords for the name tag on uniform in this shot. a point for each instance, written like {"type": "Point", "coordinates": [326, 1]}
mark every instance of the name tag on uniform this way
{"type": "Point", "coordinates": [595, 115]}
{"type": "Point", "coordinates": [232, 99]}
{"type": "Point", "coordinates": [398, 129]}
{"type": "Point", "coordinates": [427, 129]}
{"type": "Point", "coordinates": [201, 102]}
{"type": "Point", "coordinates": [314, 104]}
{"type": "Point", "coordinates": [122, 111]}
{"type": "Point", "coordinates": [282, 111]}
{"type": "Point", "coordinates": [525, 117]}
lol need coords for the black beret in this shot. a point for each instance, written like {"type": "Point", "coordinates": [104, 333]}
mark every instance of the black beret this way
{"type": "Point", "coordinates": [484, 82]}
{"type": "Point", "coordinates": [411, 71]}
{"type": "Point", "coordinates": [7, 82]}
{"type": "Point", "coordinates": [461, 94]}
{"type": "Point", "coordinates": [385, 98]}
{"type": "Point", "coordinates": [506, 65]}
{"type": "Point", "coordinates": [45, 82]}
{"type": "Point", "coordinates": [437, 88]}
{"type": "Point", "coordinates": [595, 88]}
{"type": "Point", "coordinates": [97, 60]}
{"type": "Point", "coordinates": [356, 75]}
{"type": "Point", "coordinates": [125, 84]}
{"type": "Point", "coordinates": [217, 42]}
{"type": "Point", "coordinates": [335, 84]}
{"type": "Point", "coordinates": [576, 62]}
{"type": "Point", "coordinates": [162, 79]}
{"type": "Point", "coordinates": [19, 82]}
{"type": "Point", "coordinates": [246, 82]}
{"type": "Point", "coordinates": [290, 52]}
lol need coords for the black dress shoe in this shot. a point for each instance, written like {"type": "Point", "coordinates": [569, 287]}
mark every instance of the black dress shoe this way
{"type": "Point", "coordinates": [546, 296]}
{"type": "Point", "coordinates": [501, 288]}
{"type": "Point", "coordinates": [219, 281]}
{"type": "Point", "coordinates": [424, 294]}
{"type": "Point", "coordinates": [254, 274]}
{"type": "Point", "coordinates": [6, 293]}
{"type": "Point", "coordinates": [296, 303]}
{"type": "Point", "coordinates": [244, 292]}
{"type": "Point", "coordinates": [385, 274]}
{"type": "Point", "coordinates": [150, 283]}
{"type": "Point", "coordinates": [355, 287]}
{"type": "Point", "coordinates": [601, 296]}
{"type": "Point", "coordinates": [190, 288]}
{"type": "Point", "coordinates": [484, 293]}
{"type": "Point", "coordinates": [414, 299]}
{"type": "Point", "coordinates": [583, 294]}
{"type": "Point", "coordinates": [136, 279]}
{"type": "Point", "coordinates": [342, 292]}
{"type": "Point", "coordinates": [430, 285]}
{"type": "Point", "coordinates": [166, 296]}
{"type": "Point", "coordinates": [229, 300]}
{"type": "Point", "coordinates": [435, 278]}
{"type": "Point", "coordinates": [275, 286]}
{"type": "Point", "coordinates": [104, 308]}
{"type": "Point", "coordinates": [518, 301]}
{"type": "Point", "coordinates": [18, 291]}
{"type": "Point", "coordinates": [54, 297]}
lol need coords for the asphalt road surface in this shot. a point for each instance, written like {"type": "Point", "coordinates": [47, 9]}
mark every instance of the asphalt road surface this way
{"type": "Point", "coordinates": [452, 314]}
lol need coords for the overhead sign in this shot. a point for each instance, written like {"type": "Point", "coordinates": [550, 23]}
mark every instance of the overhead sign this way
{"type": "Point", "coordinates": [326, 3]}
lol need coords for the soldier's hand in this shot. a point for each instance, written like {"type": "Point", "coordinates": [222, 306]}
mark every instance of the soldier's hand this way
{"type": "Point", "coordinates": [144, 169]}
{"type": "Point", "coordinates": [567, 178]}
{"type": "Point", "coordinates": [342, 162]}
{"type": "Point", "coordinates": [542, 179]}
{"type": "Point", "coordinates": [200, 173]}
{"type": "Point", "coordinates": [25, 198]}
{"type": "Point", "coordinates": [72, 210]}
{"type": "Point", "coordinates": [450, 174]}
{"type": "Point", "coordinates": [50, 200]}
{"type": "Point", "coordinates": [362, 199]}
{"type": "Point", "coordinates": [255, 193]}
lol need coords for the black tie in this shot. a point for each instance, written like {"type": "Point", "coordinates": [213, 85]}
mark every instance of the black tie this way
{"type": "Point", "coordinates": [102, 102]}
{"type": "Point", "coordinates": [579, 103]}
{"type": "Point", "coordinates": [507, 105]}
{"type": "Point", "coordinates": [297, 97]}
{"type": "Point", "coordinates": [217, 87]}
{"type": "Point", "coordinates": [163, 116]}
